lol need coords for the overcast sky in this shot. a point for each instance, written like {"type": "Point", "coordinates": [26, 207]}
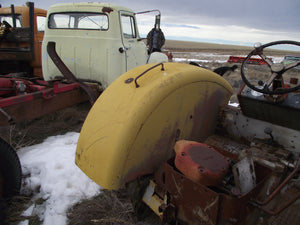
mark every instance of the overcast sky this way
{"type": "Point", "coordinates": [219, 21]}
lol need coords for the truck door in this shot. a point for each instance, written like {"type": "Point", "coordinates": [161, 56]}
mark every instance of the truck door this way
{"type": "Point", "coordinates": [134, 49]}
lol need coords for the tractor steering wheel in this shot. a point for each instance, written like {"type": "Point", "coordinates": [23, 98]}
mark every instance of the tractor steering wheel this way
{"type": "Point", "coordinates": [277, 70]}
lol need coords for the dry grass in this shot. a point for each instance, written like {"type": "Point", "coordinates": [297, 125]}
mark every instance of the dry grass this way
{"type": "Point", "coordinates": [14, 209]}
{"type": "Point", "coordinates": [33, 132]}
{"type": "Point", "coordinates": [186, 46]}
{"type": "Point", "coordinates": [108, 208]}
{"type": "Point", "coordinates": [189, 46]}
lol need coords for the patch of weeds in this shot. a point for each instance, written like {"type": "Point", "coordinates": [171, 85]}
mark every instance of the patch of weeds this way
{"type": "Point", "coordinates": [14, 209]}
{"type": "Point", "coordinates": [35, 220]}
{"type": "Point", "coordinates": [110, 207]}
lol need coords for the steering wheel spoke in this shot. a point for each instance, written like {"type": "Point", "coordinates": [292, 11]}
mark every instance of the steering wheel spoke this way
{"type": "Point", "coordinates": [271, 79]}
{"type": "Point", "coordinates": [266, 59]}
{"type": "Point", "coordinates": [291, 65]}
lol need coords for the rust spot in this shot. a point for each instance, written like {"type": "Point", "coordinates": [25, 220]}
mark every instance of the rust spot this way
{"type": "Point", "coordinates": [205, 115]}
{"type": "Point", "coordinates": [207, 158]}
{"type": "Point", "coordinates": [200, 163]}
{"type": "Point", "coordinates": [78, 156]}
{"type": "Point", "coordinates": [107, 10]}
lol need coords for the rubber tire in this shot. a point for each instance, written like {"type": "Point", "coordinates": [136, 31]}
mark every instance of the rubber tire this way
{"type": "Point", "coordinates": [10, 170]}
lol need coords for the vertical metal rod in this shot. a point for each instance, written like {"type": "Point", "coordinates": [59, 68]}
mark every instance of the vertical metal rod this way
{"type": "Point", "coordinates": [31, 24]}
{"type": "Point", "coordinates": [12, 7]}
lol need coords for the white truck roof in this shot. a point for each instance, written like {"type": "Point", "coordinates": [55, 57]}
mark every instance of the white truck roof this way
{"type": "Point", "coordinates": [88, 6]}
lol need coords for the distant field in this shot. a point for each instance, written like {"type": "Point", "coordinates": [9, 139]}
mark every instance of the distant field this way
{"type": "Point", "coordinates": [188, 45]}
{"type": "Point", "coordinates": [184, 46]}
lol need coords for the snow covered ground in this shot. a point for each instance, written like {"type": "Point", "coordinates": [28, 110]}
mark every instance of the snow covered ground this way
{"type": "Point", "coordinates": [51, 175]}
{"type": "Point", "coordinates": [200, 57]}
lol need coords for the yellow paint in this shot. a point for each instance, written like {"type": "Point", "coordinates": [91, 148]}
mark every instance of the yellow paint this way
{"type": "Point", "coordinates": [130, 131]}
{"type": "Point", "coordinates": [152, 200]}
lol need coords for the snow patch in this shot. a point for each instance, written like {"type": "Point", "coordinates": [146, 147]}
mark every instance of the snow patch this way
{"type": "Point", "coordinates": [51, 175]}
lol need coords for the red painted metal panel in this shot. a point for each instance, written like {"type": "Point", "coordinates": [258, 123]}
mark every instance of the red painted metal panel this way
{"type": "Point", "coordinates": [33, 105]}
{"type": "Point", "coordinates": [200, 162]}
{"type": "Point", "coordinates": [240, 59]}
{"type": "Point", "coordinates": [15, 100]}
{"type": "Point", "coordinates": [43, 92]}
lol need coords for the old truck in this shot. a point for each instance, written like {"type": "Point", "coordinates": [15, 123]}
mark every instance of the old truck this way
{"type": "Point", "coordinates": [167, 133]}
{"type": "Point", "coordinates": [85, 47]}
{"type": "Point", "coordinates": [21, 36]}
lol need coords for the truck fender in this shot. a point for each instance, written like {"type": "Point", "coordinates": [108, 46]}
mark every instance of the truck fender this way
{"type": "Point", "coordinates": [133, 126]}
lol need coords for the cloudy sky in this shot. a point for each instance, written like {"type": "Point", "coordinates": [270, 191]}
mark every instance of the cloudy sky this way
{"type": "Point", "coordinates": [217, 21]}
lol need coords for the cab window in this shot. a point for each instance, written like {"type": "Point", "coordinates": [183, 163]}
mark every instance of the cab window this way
{"type": "Point", "coordinates": [80, 21]}
{"type": "Point", "coordinates": [128, 26]}
{"type": "Point", "coordinates": [40, 21]}
{"type": "Point", "coordinates": [9, 19]}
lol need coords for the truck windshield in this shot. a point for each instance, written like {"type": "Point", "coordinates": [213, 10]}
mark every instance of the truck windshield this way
{"type": "Point", "coordinates": [80, 21]}
{"type": "Point", "coordinates": [8, 18]}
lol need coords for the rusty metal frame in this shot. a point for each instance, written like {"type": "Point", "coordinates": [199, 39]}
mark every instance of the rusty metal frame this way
{"type": "Point", "coordinates": [279, 210]}
{"type": "Point", "coordinates": [276, 191]}
{"type": "Point", "coordinates": [195, 203]}
{"type": "Point", "coordinates": [262, 204]}
{"type": "Point", "coordinates": [33, 105]}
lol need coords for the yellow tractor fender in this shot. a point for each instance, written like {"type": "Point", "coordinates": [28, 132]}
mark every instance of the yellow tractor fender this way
{"type": "Point", "coordinates": [132, 128]}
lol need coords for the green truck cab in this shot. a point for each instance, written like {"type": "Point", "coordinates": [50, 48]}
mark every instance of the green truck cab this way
{"type": "Point", "coordinates": [97, 41]}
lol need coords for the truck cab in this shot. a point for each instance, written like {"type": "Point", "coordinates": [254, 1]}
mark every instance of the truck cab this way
{"type": "Point", "coordinates": [21, 36]}
{"type": "Point", "coordinates": [97, 41]}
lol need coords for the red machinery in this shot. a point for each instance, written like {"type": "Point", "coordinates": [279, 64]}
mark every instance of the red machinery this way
{"type": "Point", "coordinates": [28, 98]}
{"type": "Point", "coordinates": [240, 59]}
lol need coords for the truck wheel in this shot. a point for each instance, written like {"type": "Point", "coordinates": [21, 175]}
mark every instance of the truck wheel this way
{"type": "Point", "coordinates": [10, 171]}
